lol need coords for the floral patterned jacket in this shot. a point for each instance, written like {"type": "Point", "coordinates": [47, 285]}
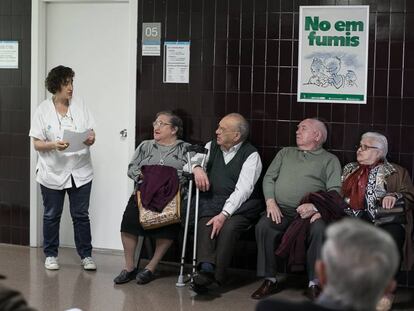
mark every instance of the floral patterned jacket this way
{"type": "Point", "coordinates": [393, 179]}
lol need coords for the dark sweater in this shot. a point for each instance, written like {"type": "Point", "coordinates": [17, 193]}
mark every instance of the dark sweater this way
{"type": "Point", "coordinates": [223, 177]}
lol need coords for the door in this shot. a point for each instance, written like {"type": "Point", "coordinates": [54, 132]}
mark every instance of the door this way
{"type": "Point", "coordinates": [97, 39]}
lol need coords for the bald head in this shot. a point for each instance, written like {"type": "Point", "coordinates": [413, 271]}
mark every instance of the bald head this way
{"type": "Point", "coordinates": [311, 134]}
{"type": "Point", "coordinates": [240, 124]}
{"type": "Point", "coordinates": [321, 128]}
{"type": "Point", "coordinates": [232, 129]}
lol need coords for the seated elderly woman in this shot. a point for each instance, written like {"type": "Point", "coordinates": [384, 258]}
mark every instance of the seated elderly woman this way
{"type": "Point", "coordinates": [165, 149]}
{"type": "Point", "coordinates": [371, 182]}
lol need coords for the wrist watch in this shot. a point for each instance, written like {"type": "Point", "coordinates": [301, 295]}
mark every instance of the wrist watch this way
{"type": "Point", "coordinates": [226, 214]}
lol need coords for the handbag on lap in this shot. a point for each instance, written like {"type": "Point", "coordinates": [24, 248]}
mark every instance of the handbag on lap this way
{"type": "Point", "coordinates": [381, 216]}
{"type": "Point", "coordinates": [169, 215]}
{"type": "Point", "coordinates": [395, 215]}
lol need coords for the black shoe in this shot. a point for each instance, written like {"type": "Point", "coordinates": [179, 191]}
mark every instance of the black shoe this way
{"type": "Point", "coordinates": [125, 276]}
{"type": "Point", "coordinates": [203, 278]}
{"type": "Point", "coordinates": [198, 289]}
{"type": "Point", "coordinates": [145, 276]}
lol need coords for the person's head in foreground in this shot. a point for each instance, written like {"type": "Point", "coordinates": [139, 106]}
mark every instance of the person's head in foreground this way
{"type": "Point", "coordinates": [358, 264]}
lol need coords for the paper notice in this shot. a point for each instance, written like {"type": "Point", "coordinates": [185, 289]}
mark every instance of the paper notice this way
{"type": "Point", "coordinates": [75, 140]}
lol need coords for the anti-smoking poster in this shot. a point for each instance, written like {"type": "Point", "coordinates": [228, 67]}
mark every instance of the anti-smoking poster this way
{"type": "Point", "coordinates": [333, 54]}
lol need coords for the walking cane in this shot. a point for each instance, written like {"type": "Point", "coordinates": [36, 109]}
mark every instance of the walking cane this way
{"type": "Point", "coordinates": [190, 176]}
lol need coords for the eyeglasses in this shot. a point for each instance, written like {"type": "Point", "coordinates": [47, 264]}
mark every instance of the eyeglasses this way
{"type": "Point", "coordinates": [365, 147]}
{"type": "Point", "coordinates": [160, 124]}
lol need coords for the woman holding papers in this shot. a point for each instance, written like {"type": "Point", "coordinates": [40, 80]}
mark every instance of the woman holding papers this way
{"type": "Point", "coordinates": [59, 169]}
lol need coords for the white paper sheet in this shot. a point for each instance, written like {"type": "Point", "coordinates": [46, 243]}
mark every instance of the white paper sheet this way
{"type": "Point", "coordinates": [75, 140]}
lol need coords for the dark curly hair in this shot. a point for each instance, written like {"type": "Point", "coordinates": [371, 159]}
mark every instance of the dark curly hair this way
{"type": "Point", "coordinates": [57, 77]}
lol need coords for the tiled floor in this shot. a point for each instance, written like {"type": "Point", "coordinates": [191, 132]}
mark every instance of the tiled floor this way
{"type": "Point", "coordinates": [92, 291]}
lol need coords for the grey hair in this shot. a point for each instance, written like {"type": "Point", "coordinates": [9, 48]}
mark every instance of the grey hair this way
{"type": "Point", "coordinates": [242, 125]}
{"type": "Point", "coordinates": [175, 121]}
{"type": "Point", "coordinates": [321, 127]}
{"type": "Point", "coordinates": [360, 262]}
{"type": "Point", "coordinates": [381, 140]}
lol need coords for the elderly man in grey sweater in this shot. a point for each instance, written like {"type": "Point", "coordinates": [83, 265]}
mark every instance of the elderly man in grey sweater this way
{"type": "Point", "coordinates": [293, 173]}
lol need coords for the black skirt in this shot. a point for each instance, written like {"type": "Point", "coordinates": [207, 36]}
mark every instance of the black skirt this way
{"type": "Point", "coordinates": [130, 224]}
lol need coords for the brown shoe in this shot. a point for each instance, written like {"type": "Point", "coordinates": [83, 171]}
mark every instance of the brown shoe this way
{"type": "Point", "coordinates": [313, 292]}
{"type": "Point", "coordinates": [266, 289]}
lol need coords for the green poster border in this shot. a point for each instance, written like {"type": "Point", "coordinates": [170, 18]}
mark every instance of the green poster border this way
{"type": "Point", "coordinates": [324, 96]}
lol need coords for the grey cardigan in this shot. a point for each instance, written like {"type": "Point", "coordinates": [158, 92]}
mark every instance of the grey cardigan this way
{"type": "Point", "coordinates": [149, 152]}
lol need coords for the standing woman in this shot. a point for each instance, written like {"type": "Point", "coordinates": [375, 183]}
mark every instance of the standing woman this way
{"type": "Point", "coordinates": [59, 172]}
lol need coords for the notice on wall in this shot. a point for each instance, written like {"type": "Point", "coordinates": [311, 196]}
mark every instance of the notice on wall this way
{"type": "Point", "coordinates": [333, 54]}
{"type": "Point", "coordinates": [176, 62]}
{"type": "Point", "coordinates": [9, 54]}
{"type": "Point", "coordinates": [151, 39]}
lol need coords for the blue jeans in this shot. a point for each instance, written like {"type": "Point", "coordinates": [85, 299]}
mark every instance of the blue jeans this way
{"type": "Point", "coordinates": [79, 210]}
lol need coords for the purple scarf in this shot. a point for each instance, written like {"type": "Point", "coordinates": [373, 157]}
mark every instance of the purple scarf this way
{"type": "Point", "coordinates": [159, 186]}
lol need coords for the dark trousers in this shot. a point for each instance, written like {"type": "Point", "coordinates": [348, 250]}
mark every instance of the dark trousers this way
{"type": "Point", "coordinates": [219, 251]}
{"type": "Point", "coordinates": [79, 210]}
{"type": "Point", "coordinates": [314, 243]}
{"type": "Point", "coordinates": [268, 237]}
{"type": "Point", "coordinates": [397, 232]}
